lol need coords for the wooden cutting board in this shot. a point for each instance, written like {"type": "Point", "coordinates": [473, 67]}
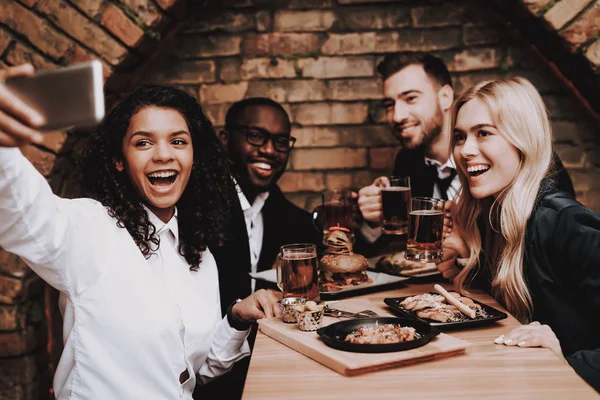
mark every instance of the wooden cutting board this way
{"type": "Point", "coordinates": [348, 363]}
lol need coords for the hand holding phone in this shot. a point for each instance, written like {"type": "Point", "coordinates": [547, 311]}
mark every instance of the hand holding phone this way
{"type": "Point", "coordinates": [16, 117]}
{"type": "Point", "coordinates": [64, 97]}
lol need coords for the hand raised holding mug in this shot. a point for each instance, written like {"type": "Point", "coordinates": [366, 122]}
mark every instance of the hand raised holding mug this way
{"type": "Point", "coordinates": [369, 201]}
{"type": "Point", "coordinates": [17, 119]}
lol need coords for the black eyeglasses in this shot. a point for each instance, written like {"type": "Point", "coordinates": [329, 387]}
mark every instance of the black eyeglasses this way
{"type": "Point", "coordinates": [258, 137]}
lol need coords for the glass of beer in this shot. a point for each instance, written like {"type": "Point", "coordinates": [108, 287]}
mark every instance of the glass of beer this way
{"type": "Point", "coordinates": [298, 271]}
{"type": "Point", "coordinates": [395, 202]}
{"type": "Point", "coordinates": [424, 242]}
{"type": "Point", "coordinates": [338, 209]}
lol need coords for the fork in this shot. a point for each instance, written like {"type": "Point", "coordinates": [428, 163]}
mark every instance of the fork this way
{"type": "Point", "coordinates": [346, 314]}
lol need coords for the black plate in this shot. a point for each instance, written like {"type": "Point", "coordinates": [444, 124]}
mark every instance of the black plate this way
{"type": "Point", "coordinates": [334, 334]}
{"type": "Point", "coordinates": [491, 315]}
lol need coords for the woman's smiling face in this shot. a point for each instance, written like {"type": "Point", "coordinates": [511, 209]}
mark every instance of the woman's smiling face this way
{"type": "Point", "coordinates": [484, 156]}
{"type": "Point", "coordinates": [158, 158]}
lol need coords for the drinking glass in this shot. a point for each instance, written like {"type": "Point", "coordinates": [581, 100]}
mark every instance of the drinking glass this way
{"type": "Point", "coordinates": [395, 202]}
{"type": "Point", "coordinates": [339, 208]}
{"type": "Point", "coordinates": [297, 271]}
{"type": "Point", "coordinates": [425, 228]}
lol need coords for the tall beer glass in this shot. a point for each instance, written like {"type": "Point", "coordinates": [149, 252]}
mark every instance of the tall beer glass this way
{"type": "Point", "coordinates": [424, 242]}
{"type": "Point", "coordinates": [395, 202]}
{"type": "Point", "coordinates": [298, 271]}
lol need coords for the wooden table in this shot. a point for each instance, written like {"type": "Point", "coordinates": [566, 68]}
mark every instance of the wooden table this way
{"type": "Point", "coordinates": [486, 371]}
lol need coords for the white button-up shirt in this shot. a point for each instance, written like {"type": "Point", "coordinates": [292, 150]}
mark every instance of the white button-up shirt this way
{"type": "Point", "coordinates": [443, 172]}
{"type": "Point", "coordinates": [131, 325]}
{"type": "Point", "coordinates": [254, 226]}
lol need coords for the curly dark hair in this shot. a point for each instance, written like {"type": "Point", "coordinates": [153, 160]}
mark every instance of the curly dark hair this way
{"type": "Point", "coordinates": [204, 205]}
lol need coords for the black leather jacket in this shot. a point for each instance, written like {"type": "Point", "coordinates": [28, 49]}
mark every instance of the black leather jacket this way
{"type": "Point", "coordinates": [562, 266]}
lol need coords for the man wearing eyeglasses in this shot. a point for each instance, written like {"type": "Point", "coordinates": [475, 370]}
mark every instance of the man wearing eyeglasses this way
{"type": "Point", "coordinates": [258, 142]}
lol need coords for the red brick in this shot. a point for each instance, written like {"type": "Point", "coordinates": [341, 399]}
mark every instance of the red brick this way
{"type": "Point", "coordinates": [17, 343]}
{"type": "Point", "coordinates": [229, 70]}
{"type": "Point", "coordinates": [20, 54]}
{"type": "Point", "coordinates": [224, 22]}
{"type": "Point", "coordinates": [10, 318]}
{"type": "Point", "coordinates": [330, 113]}
{"type": "Point", "coordinates": [382, 158]}
{"type": "Point", "coordinates": [336, 158]}
{"type": "Point", "coordinates": [28, 3]}
{"type": "Point", "coordinates": [19, 378]}
{"type": "Point", "coordinates": [89, 7]}
{"type": "Point", "coordinates": [572, 156]}
{"type": "Point", "coordinates": [5, 39]}
{"type": "Point", "coordinates": [185, 72]}
{"type": "Point", "coordinates": [561, 107]}
{"type": "Point", "coordinates": [54, 140]}
{"type": "Point", "coordinates": [265, 68]}
{"type": "Point", "coordinates": [463, 82]}
{"type": "Point", "coordinates": [220, 93]}
{"type": "Point", "coordinates": [10, 289]}
{"type": "Point", "coordinates": [302, 182]}
{"type": "Point", "coordinates": [536, 6]}
{"type": "Point", "coordinates": [166, 4]}
{"type": "Point", "coordinates": [593, 54]}
{"type": "Point", "coordinates": [41, 160]}
{"type": "Point", "coordinates": [289, 91]}
{"type": "Point", "coordinates": [308, 201]}
{"type": "Point", "coordinates": [281, 44]}
{"type": "Point", "coordinates": [216, 113]}
{"type": "Point", "coordinates": [377, 113]}
{"type": "Point", "coordinates": [352, 180]}
{"type": "Point", "coordinates": [337, 67]}
{"type": "Point", "coordinates": [304, 21]}
{"type": "Point", "coordinates": [474, 59]}
{"type": "Point", "coordinates": [308, 4]}
{"type": "Point", "coordinates": [570, 131]}
{"type": "Point", "coordinates": [564, 11]}
{"type": "Point", "coordinates": [145, 10]}
{"type": "Point", "coordinates": [115, 20]}
{"type": "Point", "coordinates": [264, 22]}
{"type": "Point", "coordinates": [372, 18]}
{"type": "Point", "coordinates": [583, 28]}
{"type": "Point", "coordinates": [76, 25]}
{"type": "Point", "coordinates": [438, 16]}
{"type": "Point", "coordinates": [475, 35]}
{"type": "Point", "coordinates": [79, 54]}
{"type": "Point", "coordinates": [208, 46]}
{"type": "Point", "coordinates": [12, 265]}
{"type": "Point", "coordinates": [354, 89]}
{"type": "Point", "coordinates": [36, 29]}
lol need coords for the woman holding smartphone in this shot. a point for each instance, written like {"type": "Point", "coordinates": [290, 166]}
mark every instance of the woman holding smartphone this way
{"type": "Point", "coordinates": [532, 246]}
{"type": "Point", "coordinates": [139, 287]}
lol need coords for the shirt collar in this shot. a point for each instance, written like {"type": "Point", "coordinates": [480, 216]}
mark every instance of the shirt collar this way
{"type": "Point", "coordinates": [160, 226]}
{"type": "Point", "coordinates": [255, 207]}
{"type": "Point", "coordinates": [441, 167]}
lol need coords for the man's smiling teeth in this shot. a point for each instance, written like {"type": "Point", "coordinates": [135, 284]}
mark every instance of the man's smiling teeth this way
{"type": "Point", "coordinates": [162, 174]}
{"type": "Point", "coordinates": [476, 168]}
{"type": "Point", "coordinates": [263, 166]}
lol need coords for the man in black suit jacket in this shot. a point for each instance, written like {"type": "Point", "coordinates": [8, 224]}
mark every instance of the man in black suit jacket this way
{"type": "Point", "coordinates": [418, 95]}
{"type": "Point", "coordinates": [258, 141]}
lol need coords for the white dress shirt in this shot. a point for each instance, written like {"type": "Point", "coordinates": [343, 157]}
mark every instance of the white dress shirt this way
{"type": "Point", "coordinates": [254, 226]}
{"type": "Point", "coordinates": [131, 325]}
{"type": "Point", "coordinates": [444, 171]}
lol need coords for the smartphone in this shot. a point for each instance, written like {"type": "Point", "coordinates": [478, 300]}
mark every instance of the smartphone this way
{"type": "Point", "coordinates": [66, 97]}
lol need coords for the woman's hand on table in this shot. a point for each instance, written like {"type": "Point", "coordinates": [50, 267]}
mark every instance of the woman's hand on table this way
{"type": "Point", "coordinates": [17, 119]}
{"type": "Point", "coordinates": [532, 335]}
{"type": "Point", "coordinates": [453, 245]}
{"type": "Point", "coordinates": [260, 304]}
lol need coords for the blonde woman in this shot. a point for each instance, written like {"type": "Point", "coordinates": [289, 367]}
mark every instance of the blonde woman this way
{"type": "Point", "coordinates": [535, 248]}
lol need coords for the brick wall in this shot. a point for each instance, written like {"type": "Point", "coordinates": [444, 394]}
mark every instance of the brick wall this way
{"type": "Point", "coordinates": [318, 58]}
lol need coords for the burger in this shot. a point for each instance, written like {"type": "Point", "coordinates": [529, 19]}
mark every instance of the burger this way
{"type": "Point", "coordinates": [340, 266]}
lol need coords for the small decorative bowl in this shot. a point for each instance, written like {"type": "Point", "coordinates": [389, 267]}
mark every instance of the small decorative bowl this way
{"type": "Point", "coordinates": [288, 313]}
{"type": "Point", "coordinates": [309, 321]}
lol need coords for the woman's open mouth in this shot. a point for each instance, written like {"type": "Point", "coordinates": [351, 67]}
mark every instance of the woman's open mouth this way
{"type": "Point", "coordinates": [477, 170]}
{"type": "Point", "coordinates": [162, 179]}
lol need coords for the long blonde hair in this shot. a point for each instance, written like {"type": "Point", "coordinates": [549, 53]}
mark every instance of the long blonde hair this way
{"type": "Point", "coordinates": [520, 116]}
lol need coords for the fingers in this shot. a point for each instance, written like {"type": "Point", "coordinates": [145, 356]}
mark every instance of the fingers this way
{"type": "Point", "coordinates": [267, 302]}
{"type": "Point", "coordinates": [382, 181]}
{"type": "Point", "coordinates": [19, 70]}
{"type": "Point", "coordinates": [15, 133]}
{"type": "Point", "coordinates": [532, 335]}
